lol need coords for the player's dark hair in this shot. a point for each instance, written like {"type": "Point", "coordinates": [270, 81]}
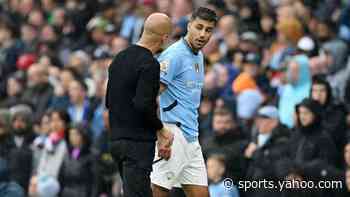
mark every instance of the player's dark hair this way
{"type": "Point", "coordinates": [204, 14]}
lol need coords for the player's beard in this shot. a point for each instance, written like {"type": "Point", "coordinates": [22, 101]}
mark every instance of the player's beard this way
{"type": "Point", "coordinates": [199, 44]}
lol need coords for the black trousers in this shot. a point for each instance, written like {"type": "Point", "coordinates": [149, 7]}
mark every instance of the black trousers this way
{"type": "Point", "coordinates": [134, 159]}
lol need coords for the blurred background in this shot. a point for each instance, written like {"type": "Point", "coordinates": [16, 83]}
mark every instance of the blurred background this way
{"type": "Point", "coordinates": [275, 104]}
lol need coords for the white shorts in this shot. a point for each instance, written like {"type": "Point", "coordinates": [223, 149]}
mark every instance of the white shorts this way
{"type": "Point", "coordinates": [185, 167]}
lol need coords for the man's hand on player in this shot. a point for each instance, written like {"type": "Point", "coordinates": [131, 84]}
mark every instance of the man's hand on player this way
{"type": "Point", "coordinates": [164, 141]}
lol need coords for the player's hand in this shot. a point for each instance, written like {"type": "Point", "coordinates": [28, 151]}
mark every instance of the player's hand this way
{"type": "Point", "coordinates": [165, 139]}
{"type": "Point", "coordinates": [250, 150]}
{"type": "Point", "coordinates": [164, 152]}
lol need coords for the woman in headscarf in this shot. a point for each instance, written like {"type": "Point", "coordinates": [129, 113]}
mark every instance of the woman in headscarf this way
{"type": "Point", "coordinates": [297, 88]}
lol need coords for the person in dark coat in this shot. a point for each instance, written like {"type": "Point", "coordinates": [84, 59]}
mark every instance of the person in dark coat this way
{"type": "Point", "coordinates": [227, 140]}
{"type": "Point", "coordinates": [334, 113]}
{"type": "Point", "coordinates": [39, 91]}
{"type": "Point", "coordinates": [77, 174]}
{"type": "Point", "coordinates": [21, 155]}
{"type": "Point", "coordinates": [311, 151]}
{"type": "Point", "coordinates": [10, 50]}
{"type": "Point", "coordinates": [132, 88]}
{"type": "Point", "coordinates": [5, 138]}
{"type": "Point", "coordinates": [7, 187]}
{"type": "Point", "coordinates": [265, 149]}
{"type": "Point", "coordinates": [15, 86]}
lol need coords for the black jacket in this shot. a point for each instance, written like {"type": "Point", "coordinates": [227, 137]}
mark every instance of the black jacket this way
{"type": "Point", "coordinates": [334, 123]}
{"type": "Point", "coordinates": [20, 160]}
{"type": "Point", "coordinates": [6, 145]}
{"type": "Point", "coordinates": [231, 146]}
{"type": "Point", "coordinates": [77, 176]}
{"type": "Point", "coordinates": [39, 98]}
{"type": "Point", "coordinates": [132, 89]}
{"type": "Point", "coordinates": [333, 118]}
{"type": "Point", "coordinates": [262, 165]}
{"type": "Point", "coordinates": [311, 152]}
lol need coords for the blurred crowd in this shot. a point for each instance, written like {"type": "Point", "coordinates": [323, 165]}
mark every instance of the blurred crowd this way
{"type": "Point", "coordinates": [275, 103]}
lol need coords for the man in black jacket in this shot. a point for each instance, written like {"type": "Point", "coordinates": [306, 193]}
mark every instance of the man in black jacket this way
{"type": "Point", "coordinates": [264, 149]}
{"type": "Point", "coordinates": [131, 100]}
{"type": "Point", "coordinates": [228, 140]}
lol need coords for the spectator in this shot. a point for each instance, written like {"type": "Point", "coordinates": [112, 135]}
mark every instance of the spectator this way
{"type": "Point", "coordinates": [79, 61]}
{"type": "Point", "coordinates": [39, 142]}
{"type": "Point", "coordinates": [311, 149]}
{"type": "Point", "coordinates": [77, 172]}
{"type": "Point", "coordinates": [297, 88]}
{"type": "Point", "coordinates": [228, 140]}
{"type": "Point", "coordinates": [6, 144]}
{"type": "Point", "coordinates": [250, 15]}
{"type": "Point", "coordinates": [7, 187]}
{"type": "Point", "coordinates": [227, 31]}
{"type": "Point", "coordinates": [10, 49]}
{"type": "Point", "coordinates": [39, 91]}
{"type": "Point", "coordinates": [289, 31]}
{"type": "Point", "coordinates": [336, 123]}
{"type": "Point", "coordinates": [267, 26]}
{"type": "Point", "coordinates": [15, 88]}
{"type": "Point", "coordinates": [29, 37]}
{"type": "Point", "coordinates": [249, 42]}
{"type": "Point", "coordinates": [330, 43]}
{"type": "Point", "coordinates": [164, 6]}
{"type": "Point", "coordinates": [60, 99]}
{"type": "Point", "coordinates": [251, 69]}
{"type": "Point", "coordinates": [264, 149]}
{"type": "Point", "coordinates": [119, 43]}
{"type": "Point", "coordinates": [206, 109]}
{"type": "Point", "coordinates": [36, 18]}
{"type": "Point", "coordinates": [97, 124]}
{"type": "Point", "coordinates": [22, 136]}
{"type": "Point", "coordinates": [79, 109]}
{"type": "Point", "coordinates": [216, 171]}
{"type": "Point", "coordinates": [55, 147]}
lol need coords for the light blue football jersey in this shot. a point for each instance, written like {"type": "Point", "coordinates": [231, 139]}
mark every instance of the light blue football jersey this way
{"type": "Point", "coordinates": [182, 71]}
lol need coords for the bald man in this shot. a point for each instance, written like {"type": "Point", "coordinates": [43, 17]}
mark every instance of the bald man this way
{"type": "Point", "coordinates": [132, 89]}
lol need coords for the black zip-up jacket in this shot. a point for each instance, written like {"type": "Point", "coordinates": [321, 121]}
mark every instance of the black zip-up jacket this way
{"type": "Point", "coordinates": [132, 90]}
